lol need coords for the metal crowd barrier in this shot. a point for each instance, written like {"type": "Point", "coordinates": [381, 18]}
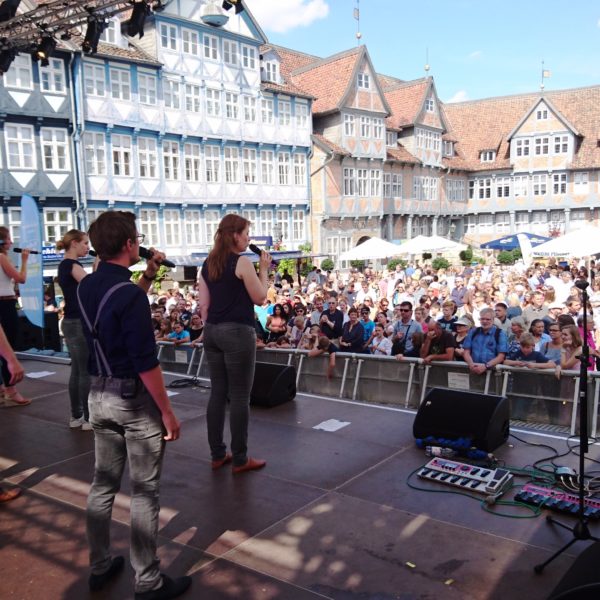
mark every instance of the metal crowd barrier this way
{"type": "Point", "coordinates": [535, 396]}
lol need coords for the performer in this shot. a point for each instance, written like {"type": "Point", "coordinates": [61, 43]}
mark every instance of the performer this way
{"type": "Point", "coordinates": [129, 408]}
{"type": "Point", "coordinates": [76, 245]}
{"type": "Point", "coordinates": [9, 318]}
{"type": "Point", "coordinates": [229, 287]}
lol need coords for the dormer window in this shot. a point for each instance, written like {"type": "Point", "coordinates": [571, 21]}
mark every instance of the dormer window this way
{"type": "Point", "coordinates": [448, 148]}
{"type": "Point", "coordinates": [542, 114]}
{"type": "Point", "coordinates": [364, 81]}
{"type": "Point", "coordinates": [429, 105]}
{"type": "Point", "coordinates": [109, 35]}
{"type": "Point", "coordinates": [488, 156]}
{"type": "Point", "coordinates": [271, 71]}
{"type": "Point", "coordinates": [391, 139]}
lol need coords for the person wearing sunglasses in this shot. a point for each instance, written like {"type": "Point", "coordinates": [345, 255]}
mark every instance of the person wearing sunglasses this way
{"type": "Point", "coordinates": [403, 330]}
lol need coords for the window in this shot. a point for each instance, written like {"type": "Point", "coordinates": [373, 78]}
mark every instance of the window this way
{"type": "Point", "coordinates": [486, 223]}
{"type": "Point", "coordinates": [448, 149]}
{"type": "Point", "coordinates": [168, 36]}
{"type": "Point", "coordinates": [211, 223]}
{"type": "Point", "coordinates": [522, 221]}
{"type": "Point", "coordinates": [172, 224]}
{"type": "Point", "coordinates": [56, 223]}
{"type": "Point", "coordinates": [19, 146]}
{"type": "Point", "coordinates": [363, 182]}
{"type": "Point", "coordinates": [193, 228]}
{"type": "Point", "coordinates": [121, 151]}
{"type": "Point", "coordinates": [455, 190]}
{"type": "Point", "coordinates": [471, 189]}
{"type": "Point", "coordinates": [283, 162]}
{"type": "Point", "coordinates": [522, 147]}
{"type": "Point", "coordinates": [365, 127]}
{"type": "Point", "coordinates": [249, 165]}
{"type": "Point", "coordinates": [300, 169]}
{"type": "Point", "coordinates": [95, 153]}
{"type": "Point", "coordinates": [559, 183]}
{"type": "Point", "coordinates": [249, 104]}
{"type": "Point", "coordinates": [375, 180]}
{"type": "Point", "coordinates": [171, 160]}
{"type": "Point", "coordinates": [561, 144]}
{"type": "Point", "coordinates": [579, 218]}
{"type": "Point", "coordinates": [120, 84]}
{"type": "Point", "coordinates": [232, 164]}
{"type": "Point", "coordinates": [172, 93]}
{"type": "Point", "coordinates": [488, 156]}
{"type": "Point", "coordinates": [193, 162]}
{"type": "Point", "coordinates": [581, 182]}
{"type": "Point", "coordinates": [250, 215]}
{"type": "Point", "coordinates": [231, 105]}
{"type": "Point", "coordinates": [378, 128]}
{"type": "Point", "coordinates": [265, 222]}
{"type": "Point", "coordinates": [266, 109]}
{"type": "Point", "coordinates": [541, 114]}
{"type": "Point", "coordinates": [541, 146]}
{"type": "Point", "coordinates": [349, 182]}
{"type": "Point", "coordinates": [472, 224]}
{"type": "Point", "coordinates": [298, 225]}
{"type": "Point", "coordinates": [502, 222]}
{"type": "Point", "coordinates": [147, 157]}
{"type": "Point", "coordinates": [502, 187]}
{"type": "Point", "coordinates": [230, 53]}
{"type": "Point", "coordinates": [267, 165]}
{"type": "Point", "coordinates": [364, 81]}
{"type": "Point", "coordinates": [93, 75]}
{"type": "Point", "coordinates": [213, 103]}
{"type": "Point", "coordinates": [54, 149]}
{"type": "Point", "coordinates": [485, 188]}
{"type": "Point", "coordinates": [192, 98]}
{"type": "Point", "coordinates": [148, 225]}
{"type": "Point", "coordinates": [52, 77]}
{"type": "Point", "coordinates": [396, 185]}
{"type": "Point", "coordinates": [211, 47]}
{"type": "Point", "coordinates": [283, 218]}
{"type": "Point", "coordinates": [284, 109]}
{"type": "Point", "coordinates": [429, 105]}
{"type": "Point", "coordinates": [248, 57]}
{"type": "Point", "coordinates": [520, 185]}
{"type": "Point", "coordinates": [147, 88]}
{"type": "Point", "coordinates": [92, 214]}
{"type": "Point", "coordinates": [212, 163]}
{"type": "Point", "coordinates": [539, 185]}
{"type": "Point", "coordinates": [391, 139]}
{"type": "Point", "coordinates": [191, 42]}
{"type": "Point", "coordinates": [20, 74]}
{"type": "Point", "coordinates": [14, 224]}
{"type": "Point", "coordinates": [349, 129]}
{"type": "Point", "coordinates": [387, 185]}
{"type": "Point", "coordinates": [271, 71]}
{"type": "Point", "coordinates": [301, 115]}
{"type": "Point", "coordinates": [109, 35]}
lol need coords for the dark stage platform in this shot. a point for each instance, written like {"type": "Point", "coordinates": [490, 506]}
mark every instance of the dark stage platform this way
{"type": "Point", "coordinates": [331, 516]}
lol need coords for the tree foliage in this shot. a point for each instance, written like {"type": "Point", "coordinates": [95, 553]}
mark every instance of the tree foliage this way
{"type": "Point", "coordinates": [440, 263]}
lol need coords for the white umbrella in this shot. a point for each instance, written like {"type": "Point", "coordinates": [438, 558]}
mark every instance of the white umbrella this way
{"type": "Point", "coordinates": [432, 243]}
{"type": "Point", "coordinates": [373, 248]}
{"type": "Point", "coordinates": [581, 242]}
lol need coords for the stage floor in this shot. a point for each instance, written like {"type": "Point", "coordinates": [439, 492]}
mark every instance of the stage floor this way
{"type": "Point", "coordinates": [331, 516]}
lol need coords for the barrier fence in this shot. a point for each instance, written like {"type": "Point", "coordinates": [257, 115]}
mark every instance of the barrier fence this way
{"type": "Point", "coordinates": [535, 396]}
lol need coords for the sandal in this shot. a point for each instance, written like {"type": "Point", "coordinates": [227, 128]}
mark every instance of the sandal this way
{"type": "Point", "coordinates": [14, 399]}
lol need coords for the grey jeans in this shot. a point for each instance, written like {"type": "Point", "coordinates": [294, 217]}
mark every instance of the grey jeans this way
{"type": "Point", "coordinates": [231, 353]}
{"type": "Point", "coordinates": [129, 430]}
{"type": "Point", "coordinates": [79, 381]}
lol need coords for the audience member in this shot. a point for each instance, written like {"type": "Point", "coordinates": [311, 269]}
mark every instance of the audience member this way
{"type": "Point", "coordinates": [486, 346]}
{"type": "Point", "coordinates": [438, 344]}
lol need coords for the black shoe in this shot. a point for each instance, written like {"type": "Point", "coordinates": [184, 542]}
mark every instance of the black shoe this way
{"type": "Point", "coordinates": [171, 588]}
{"type": "Point", "coordinates": [97, 582]}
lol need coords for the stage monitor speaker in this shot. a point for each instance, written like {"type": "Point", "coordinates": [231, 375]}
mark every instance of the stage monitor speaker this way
{"type": "Point", "coordinates": [453, 414]}
{"type": "Point", "coordinates": [31, 336]}
{"type": "Point", "coordinates": [581, 581]}
{"type": "Point", "coordinates": [273, 384]}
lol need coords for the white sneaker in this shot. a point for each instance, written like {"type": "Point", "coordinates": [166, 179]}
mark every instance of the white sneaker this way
{"type": "Point", "coordinates": [86, 426]}
{"type": "Point", "coordinates": [74, 423]}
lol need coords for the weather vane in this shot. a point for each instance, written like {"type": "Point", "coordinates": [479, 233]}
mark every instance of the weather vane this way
{"type": "Point", "coordinates": [545, 75]}
{"type": "Point", "coordinates": [357, 17]}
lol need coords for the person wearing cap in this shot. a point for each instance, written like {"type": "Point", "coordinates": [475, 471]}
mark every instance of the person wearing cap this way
{"type": "Point", "coordinates": [502, 321]}
{"type": "Point", "coordinates": [462, 326]}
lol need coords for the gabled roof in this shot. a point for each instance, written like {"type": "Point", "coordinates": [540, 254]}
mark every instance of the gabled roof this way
{"type": "Point", "coordinates": [480, 124]}
{"type": "Point", "coordinates": [406, 101]}
{"type": "Point", "coordinates": [290, 59]}
{"type": "Point", "coordinates": [328, 146]}
{"type": "Point", "coordinates": [401, 154]}
{"type": "Point", "coordinates": [285, 88]}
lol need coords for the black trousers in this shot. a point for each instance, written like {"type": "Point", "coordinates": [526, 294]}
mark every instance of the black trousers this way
{"type": "Point", "coordinates": [9, 319]}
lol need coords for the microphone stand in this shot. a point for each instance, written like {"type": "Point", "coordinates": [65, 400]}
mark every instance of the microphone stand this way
{"type": "Point", "coordinates": [581, 530]}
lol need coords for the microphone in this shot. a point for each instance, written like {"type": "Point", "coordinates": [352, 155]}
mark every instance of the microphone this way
{"type": "Point", "coordinates": [144, 253]}
{"type": "Point", "coordinates": [19, 250]}
{"type": "Point", "coordinates": [258, 251]}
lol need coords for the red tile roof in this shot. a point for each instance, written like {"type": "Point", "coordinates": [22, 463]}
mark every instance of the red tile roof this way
{"type": "Point", "coordinates": [406, 101]}
{"type": "Point", "coordinates": [328, 145]}
{"type": "Point", "coordinates": [290, 59]}
{"type": "Point", "coordinates": [401, 154]}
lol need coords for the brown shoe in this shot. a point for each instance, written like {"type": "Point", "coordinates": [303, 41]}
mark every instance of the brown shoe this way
{"type": "Point", "coordinates": [7, 495]}
{"type": "Point", "coordinates": [252, 464]}
{"type": "Point", "coordinates": [217, 464]}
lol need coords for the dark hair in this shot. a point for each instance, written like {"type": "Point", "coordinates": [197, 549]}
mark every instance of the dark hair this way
{"type": "Point", "coordinates": [406, 304]}
{"type": "Point", "coordinates": [353, 309]}
{"type": "Point", "coordinates": [224, 242]}
{"type": "Point", "coordinates": [4, 235]}
{"type": "Point", "coordinates": [534, 323]}
{"type": "Point", "coordinates": [73, 235]}
{"type": "Point", "coordinates": [110, 232]}
{"type": "Point", "coordinates": [277, 306]}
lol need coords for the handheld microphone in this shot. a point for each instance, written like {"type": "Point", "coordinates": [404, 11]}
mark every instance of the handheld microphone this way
{"type": "Point", "coordinates": [258, 251]}
{"type": "Point", "coordinates": [19, 250]}
{"type": "Point", "coordinates": [144, 253]}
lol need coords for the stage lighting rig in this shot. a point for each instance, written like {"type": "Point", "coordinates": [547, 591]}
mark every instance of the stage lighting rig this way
{"type": "Point", "coordinates": [140, 11]}
{"type": "Point", "coordinates": [44, 50]}
{"type": "Point", "coordinates": [239, 7]}
{"type": "Point", "coordinates": [8, 9]}
{"type": "Point", "coordinates": [6, 58]}
{"type": "Point", "coordinates": [93, 34]}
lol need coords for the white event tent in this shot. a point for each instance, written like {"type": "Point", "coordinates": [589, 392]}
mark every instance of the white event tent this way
{"type": "Point", "coordinates": [431, 243]}
{"type": "Point", "coordinates": [579, 243]}
{"type": "Point", "coordinates": [373, 248]}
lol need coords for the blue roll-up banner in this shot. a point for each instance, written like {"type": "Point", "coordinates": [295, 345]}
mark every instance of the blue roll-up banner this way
{"type": "Point", "coordinates": [32, 291]}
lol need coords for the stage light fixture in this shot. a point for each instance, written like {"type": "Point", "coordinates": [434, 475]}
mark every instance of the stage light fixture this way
{"type": "Point", "coordinates": [93, 34]}
{"type": "Point", "coordinates": [138, 17]}
{"type": "Point", "coordinates": [45, 50]}
{"type": "Point", "coordinates": [8, 9]}
{"type": "Point", "coordinates": [239, 7]}
{"type": "Point", "coordinates": [6, 58]}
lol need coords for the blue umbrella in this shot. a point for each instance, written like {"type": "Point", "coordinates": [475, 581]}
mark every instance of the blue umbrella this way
{"type": "Point", "coordinates": [510, 242]}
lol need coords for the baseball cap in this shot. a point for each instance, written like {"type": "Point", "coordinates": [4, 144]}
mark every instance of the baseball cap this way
{"type": "Point", "coordinates": [556, 305]}
{"type": "Point", "coordinates": [464, 321]}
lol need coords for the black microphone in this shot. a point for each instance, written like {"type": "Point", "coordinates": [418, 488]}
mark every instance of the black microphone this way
{"type": "Point", "coordinates": [19, 250]}
{"type": "Point", "coordinates": [144, 253]}
{"type": "Point", "coordinates": [258, 251]}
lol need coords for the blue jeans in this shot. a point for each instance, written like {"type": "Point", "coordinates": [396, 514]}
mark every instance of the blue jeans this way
{"type": "Point", "coordinates": [231, 353]}
{"type": "Point", "coordinates": [129, 429]}
{"type": "Point", "coordinates": [79, 381]}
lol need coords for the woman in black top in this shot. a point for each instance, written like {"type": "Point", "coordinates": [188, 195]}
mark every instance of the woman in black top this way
{"type": "Point", "coordinates": [229, 289]}
{"type": "Point", "coordinates": [352, 334]}
{"type": "Point", "coordinates": [76, 245]}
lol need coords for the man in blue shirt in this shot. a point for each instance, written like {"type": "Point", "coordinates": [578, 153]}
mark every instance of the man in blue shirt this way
{"type": "Point", "coordinates": [485, 346]}
{"type": "Point", "coordinates": [404, 330]}
{"type": "Point", "coordinates": [130, 411]}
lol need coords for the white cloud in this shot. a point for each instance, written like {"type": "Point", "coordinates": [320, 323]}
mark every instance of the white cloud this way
{"type": "Point", "coordinates": [282, 16]}
{"type": "Point", "coordinates": [475, 55]}
{"type": "Point", "coordinates": [460, 96]}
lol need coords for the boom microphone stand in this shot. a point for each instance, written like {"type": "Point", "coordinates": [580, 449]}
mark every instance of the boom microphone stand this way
{"type": "Point", "coordinates": [581, 530]}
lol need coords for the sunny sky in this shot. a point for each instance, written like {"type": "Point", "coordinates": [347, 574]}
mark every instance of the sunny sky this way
{"type": "Point", "coordinates": [476, 48]}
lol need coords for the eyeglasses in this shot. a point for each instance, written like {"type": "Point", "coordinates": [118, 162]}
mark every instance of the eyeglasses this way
{"type": "Point", "coordinates": [140, 238]}
{"type": "Point", "coordinates": [405, 309]}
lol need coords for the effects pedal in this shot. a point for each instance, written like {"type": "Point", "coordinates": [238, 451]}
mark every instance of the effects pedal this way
{"type": "Point", "coordinates": [558, 501]}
